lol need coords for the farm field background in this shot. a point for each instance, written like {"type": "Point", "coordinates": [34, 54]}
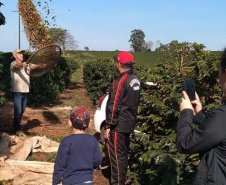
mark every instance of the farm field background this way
{"type": "Point", "coordinates": [142, 58]}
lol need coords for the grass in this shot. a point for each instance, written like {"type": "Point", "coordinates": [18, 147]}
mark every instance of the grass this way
{"type": "Point", "coordinates": [48, 157]}
{"type": "Point", "coordinates": [51, 157]}
{"type": "Point", "coordinates": [6, 182]}
{"type": "Point", "coordinates": [77, 75]}
{"type": "Point", "coordinates": [31, 158]}
{"type": "Point", "coordinates": [31, 180]}
{"type": "Point", "coordinates": [57, 139]}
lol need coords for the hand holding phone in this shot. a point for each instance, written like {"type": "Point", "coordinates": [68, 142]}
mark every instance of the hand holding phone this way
{"type": "Point", "coordinates": [189, 87]}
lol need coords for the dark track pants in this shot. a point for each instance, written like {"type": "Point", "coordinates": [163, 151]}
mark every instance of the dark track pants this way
{"type": "Point", "coordinates": [118, 154]}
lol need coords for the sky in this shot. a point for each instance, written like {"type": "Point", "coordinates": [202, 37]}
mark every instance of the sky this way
{"type": "Point", "coordinates": [106, 25]}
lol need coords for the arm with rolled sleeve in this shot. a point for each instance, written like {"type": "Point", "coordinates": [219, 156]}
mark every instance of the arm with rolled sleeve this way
{"type": "Point", "coordinates": [205, 136]}
{"type": "Point", "coordinates": [60, 163]}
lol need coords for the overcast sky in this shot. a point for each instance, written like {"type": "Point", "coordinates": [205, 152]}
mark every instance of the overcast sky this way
{"type": "Point", "coordinates": [107, 24]}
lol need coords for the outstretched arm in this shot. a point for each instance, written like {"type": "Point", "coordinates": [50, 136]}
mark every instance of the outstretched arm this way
{"type": "Point", "coordinates": [18, 66]}
{"type": "Point", "coordinates": [42, 65]}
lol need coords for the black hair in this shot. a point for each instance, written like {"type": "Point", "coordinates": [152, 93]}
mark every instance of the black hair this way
{"type": "Point", "coordinates": [78, 124]}
{"type": "Point", "coordinates": [223, 60]}
{"type": "Point", "coordinates": [127, 65]}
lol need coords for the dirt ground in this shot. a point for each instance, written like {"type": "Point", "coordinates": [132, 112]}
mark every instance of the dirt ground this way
{"type": "Point", "coordinates": [51, 121]}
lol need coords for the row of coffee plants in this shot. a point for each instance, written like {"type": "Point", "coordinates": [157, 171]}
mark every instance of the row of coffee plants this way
{"type": "Point", "coordinates": [44, 89]}
{"type": "Point", "coordinates": [98, 75]}
{"type": "Point", "coordinates": [153, 156]}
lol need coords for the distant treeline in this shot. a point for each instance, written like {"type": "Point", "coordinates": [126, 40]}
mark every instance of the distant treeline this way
{"type": "Point", "coordinates": [141, 58]}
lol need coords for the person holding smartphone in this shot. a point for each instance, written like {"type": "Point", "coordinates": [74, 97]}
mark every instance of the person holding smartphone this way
{"type": "Point", "coordinates": [209, 136]}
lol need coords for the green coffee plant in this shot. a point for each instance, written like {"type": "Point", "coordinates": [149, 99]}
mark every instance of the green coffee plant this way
{"type": "Point", "coordinates": [98, 75]}
{"type": "Point", "coordinates": [153, 156]}
{"type": "Point", "coordinates": [155, 150]}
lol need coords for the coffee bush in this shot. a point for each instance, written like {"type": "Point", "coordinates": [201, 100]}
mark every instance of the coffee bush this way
{"type": "Point", "coordinates": [153, 157]}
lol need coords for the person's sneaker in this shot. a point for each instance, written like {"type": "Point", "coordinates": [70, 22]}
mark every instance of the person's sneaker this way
{"type": "Point", "coordinates": [20, 133]}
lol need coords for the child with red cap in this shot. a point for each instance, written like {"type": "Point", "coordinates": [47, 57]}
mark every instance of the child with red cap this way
{"type": "Point", "coordinates": [78, 154]}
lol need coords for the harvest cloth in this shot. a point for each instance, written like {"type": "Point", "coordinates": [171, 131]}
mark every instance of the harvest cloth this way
{"type": "Point", "coordinates": [23, 146]}
{"type": "Point", "coordinates": [27, 172]}
{"type": "Point", "coordinates": [13, 153]}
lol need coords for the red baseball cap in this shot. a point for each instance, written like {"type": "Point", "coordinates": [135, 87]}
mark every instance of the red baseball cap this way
{"type": "Point", "coordinates": [80, 117]}
{"type": "Point", "coordinates": [125, 57]}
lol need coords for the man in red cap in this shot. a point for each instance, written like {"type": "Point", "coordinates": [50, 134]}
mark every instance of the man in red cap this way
{"type": "Point", "coordinates": [121, 112]}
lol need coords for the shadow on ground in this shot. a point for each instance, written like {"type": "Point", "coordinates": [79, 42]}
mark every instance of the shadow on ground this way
{"type": "Point", "coordinates": [31, 124]}
{"type": "Point", "coordinates": [75, 85]}
{"type": "Point", "coordinates": [50, 117]}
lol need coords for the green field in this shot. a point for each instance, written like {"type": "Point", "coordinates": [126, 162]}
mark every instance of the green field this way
{"type": "Point", "coordinates": [143, 58]}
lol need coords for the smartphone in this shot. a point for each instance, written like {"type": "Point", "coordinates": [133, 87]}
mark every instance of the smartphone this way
{"type": "Point", "coordinates": [189, 87]}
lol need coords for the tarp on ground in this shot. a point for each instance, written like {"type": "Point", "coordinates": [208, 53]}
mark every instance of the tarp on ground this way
{"type": "Point", "coordinates": [18, 148]}
{"type": "Point", "coordinates": [13, 153]}
{"type": "Point", "coordinates": [27, 172]}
